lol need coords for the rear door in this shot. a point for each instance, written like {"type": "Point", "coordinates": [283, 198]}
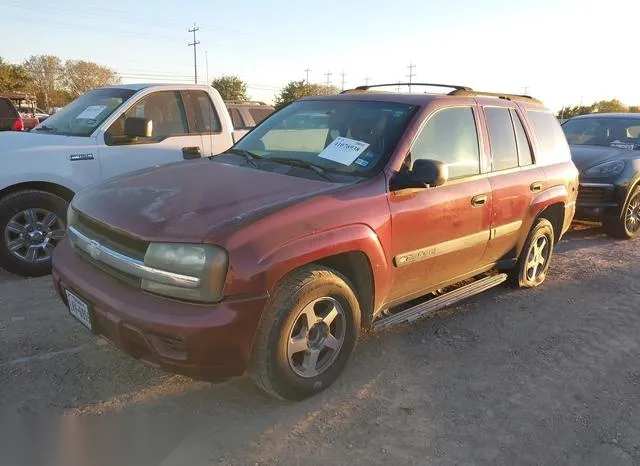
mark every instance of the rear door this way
{"type": "Point", "coordinates": [169, 142]}
{"type": "Point", "coordinates": [515, 180]}
{"type": "Point", "coordinates": [441, 233]}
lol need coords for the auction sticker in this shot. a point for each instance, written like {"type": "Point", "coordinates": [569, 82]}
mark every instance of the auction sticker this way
{"type": "Point", "coordinates": [343, 150]}
{"type": "Point", "coordinates": [91, 112]}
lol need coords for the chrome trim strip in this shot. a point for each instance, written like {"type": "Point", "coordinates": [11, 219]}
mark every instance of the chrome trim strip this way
{"type": "Point", "coordinates": [597, 185]}
{"type": "Point", "coordinates": [129, 265]}
{"type": "Point", "coordinates": [441, 249]}
{"type": "Point", "coordinates": [506, 229]}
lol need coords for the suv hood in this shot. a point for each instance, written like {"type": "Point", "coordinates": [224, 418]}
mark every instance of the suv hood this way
{"type": "Point", "coordinates": [188, 201]}
{"type": "Point", "coordinates": [585, 157]}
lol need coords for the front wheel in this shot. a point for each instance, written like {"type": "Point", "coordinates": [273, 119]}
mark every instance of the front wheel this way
{"type": "Point", "coordinates": [627, 224]}
{"type": "Point", "coordinates": [535, 258]}
{"type": "Point", "coordinates": [308, 331]}
{"type": "Point", "coordinates": [32, 223]}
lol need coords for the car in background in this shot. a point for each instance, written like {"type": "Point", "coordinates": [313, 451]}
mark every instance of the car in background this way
{"type": "Point", "coordinates": [10, 118]}
{"type": "Point", "coordinates": [605, 148]}
{"type": "Point", "coordinates": [247, 114]}
{"type": "Point", "coordinates": [27, 108]}
{"type": "Point", "coordinates": [364, 209]}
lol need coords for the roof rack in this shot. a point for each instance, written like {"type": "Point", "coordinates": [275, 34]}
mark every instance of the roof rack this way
{"type": "Point", "coordinates": [457, 91]}
{"type": "Point", "coordinates": [451, 86]}
{"type": "Point", "coordinates": [250, 102]}
{"type": "Point", "coordinates": [499, 95]}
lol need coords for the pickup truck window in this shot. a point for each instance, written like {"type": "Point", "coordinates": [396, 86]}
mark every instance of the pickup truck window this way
{"type": "Point", "coordinates": [82, 116]}
{"type": "Point", "coordinates": [203, 118]}
{"type": "Point", "coordinates": [163, 108]}
{"type": "Point", "coordinates": [451, 137]}
{"type": "Point", "coordinates": [370, 130]}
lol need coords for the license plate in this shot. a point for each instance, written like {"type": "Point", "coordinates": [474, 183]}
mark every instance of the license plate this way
{"type": "Point", "coordinates": [79, 309]}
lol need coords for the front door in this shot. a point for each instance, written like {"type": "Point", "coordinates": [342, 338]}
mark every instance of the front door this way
{"type": "Point", "coordinates": [441, 233]}
{"type": "Point", "coordinates": [169, 142]}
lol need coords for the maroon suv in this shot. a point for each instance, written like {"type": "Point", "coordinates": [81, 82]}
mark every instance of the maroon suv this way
{"type": "Point", "coordinates": [271, 256]}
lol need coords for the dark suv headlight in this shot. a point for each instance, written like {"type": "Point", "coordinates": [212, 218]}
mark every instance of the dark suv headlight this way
{"type": "Point", "coordinates": [611, 168]}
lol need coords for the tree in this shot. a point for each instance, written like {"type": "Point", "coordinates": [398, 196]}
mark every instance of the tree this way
{"type": "Point", "coordinates": [45, 76]}
{"type": "Point", "coordinates": [298, 89]}
{"type": "Point", "coordinates": [12, 77]}
{"type": "Point", "coordinates": [610, 106]}
{"type": "Point", "coordinates": [230, 87]}
{"type": "Point", "coordinates": [634, 109]}
{"type": "Point", "coordinates": [570, 112]}
{"type": "Point", "coordinates": [81, 76]}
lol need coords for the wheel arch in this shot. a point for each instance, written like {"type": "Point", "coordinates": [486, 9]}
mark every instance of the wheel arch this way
{"type": "Point", "coordinates": [51, 188]}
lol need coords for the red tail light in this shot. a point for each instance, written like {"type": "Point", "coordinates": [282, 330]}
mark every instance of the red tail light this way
{"type": "Point", "coordinates": [18, 125]}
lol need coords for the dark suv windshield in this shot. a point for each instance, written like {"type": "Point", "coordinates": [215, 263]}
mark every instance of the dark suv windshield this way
{"type": "Point", "coordinates": [82, 116]}
{"type": "Point", "coordinates": [605, 131]}
{"type": "Point", "coordinates": [340, 136]}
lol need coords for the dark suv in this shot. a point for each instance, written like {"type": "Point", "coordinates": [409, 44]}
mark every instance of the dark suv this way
{"type": "Point", "coordinates": [10, 119]}
{"type": "Point", "coordinates": [271, 256]}
{"type": "Point", "coordinates": [606, 149]}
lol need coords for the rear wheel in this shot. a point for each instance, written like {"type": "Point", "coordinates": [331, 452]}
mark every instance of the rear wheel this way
{"type": "Point", "coordinates": [535, 258]}
{"type": "Point", "coordinates": [308, 331]}
{"type": "Point", "coordinates": [627, 224]}
{"type": "Point", "coordinates": [32, 223]}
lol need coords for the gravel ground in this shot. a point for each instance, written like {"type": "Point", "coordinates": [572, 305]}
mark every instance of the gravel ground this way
{"type": "Point", "coordinates": [546, 376]}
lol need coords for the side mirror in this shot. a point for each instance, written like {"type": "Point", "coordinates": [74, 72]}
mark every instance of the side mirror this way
{"type": "Point", "coordinates": [424, 174]}
{"type": "Point", "coordinates": [138, 127]}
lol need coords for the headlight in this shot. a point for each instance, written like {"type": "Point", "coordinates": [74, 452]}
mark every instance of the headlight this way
{"type": "Point", "coordinates": [208, 263]}
{"type": "Point", "coordinates": [608, 168]}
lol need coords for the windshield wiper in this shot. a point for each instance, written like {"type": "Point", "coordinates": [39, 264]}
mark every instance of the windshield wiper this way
{"type": "Point", "coordinates": [249, 156]}
{"type": "Point", "coordinates": [302, 164]}
{"type": "Point", "coordinates": [45, 128]}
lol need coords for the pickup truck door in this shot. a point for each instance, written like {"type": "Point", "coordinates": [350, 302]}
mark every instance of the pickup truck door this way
{"type": "Point", "coordinates": [170, 142]}
{"type": "Point", "coordinates": [215, 130]}
{"type": "Point", "coordinates": [441, 233]}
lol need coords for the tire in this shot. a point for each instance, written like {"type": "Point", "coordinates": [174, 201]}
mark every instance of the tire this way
{"type": "Point", "coordinates": [31, 225]}
{"type": "Point", "coordinates": [541, 239]}
{"type": "Point", "coordinates": [626, 224]}
{"type": "Point", "coordinates": [285, 316]}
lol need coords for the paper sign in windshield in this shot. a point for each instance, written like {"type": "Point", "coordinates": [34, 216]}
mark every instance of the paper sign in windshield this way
{"type": "Point", "coordinates": [343, 150]}
{"type": "Point", "coordinates": [91, 112]}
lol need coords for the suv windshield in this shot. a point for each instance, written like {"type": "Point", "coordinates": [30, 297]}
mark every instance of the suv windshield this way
{"type": "Point", "coordinates": [338, 136]}
{"type": "Point", "coordinates": [622, 133]}
{"type": "Point", "coordinates": [82, 116]}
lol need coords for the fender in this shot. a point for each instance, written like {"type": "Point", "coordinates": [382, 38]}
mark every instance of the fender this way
{"type": "Point", "coordinates": [48, 178]}
{"type": "Point", "coordinates": [308, 249]}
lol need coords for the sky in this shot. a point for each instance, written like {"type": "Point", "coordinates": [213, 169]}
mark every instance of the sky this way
{"type": "Point", "coordinates": [563, 52]}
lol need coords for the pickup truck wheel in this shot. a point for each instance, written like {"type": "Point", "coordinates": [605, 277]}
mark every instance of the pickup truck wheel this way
{"type": "Point", "coordinates": [535, 258]}
{"type": "Point", "coordinates": [32, 223]}
{"type": "Point", "coordinates": [309, 329]}
{"type": "Point", "coordinates": [627, 224]}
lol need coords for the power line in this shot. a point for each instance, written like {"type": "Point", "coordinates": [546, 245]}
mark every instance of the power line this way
{"type": "Point", "coordinates": [194, 44]}
{"type": "Point", "coordinates": [411, 74]}
{"type": "Point", "coordinates": [307, 72]}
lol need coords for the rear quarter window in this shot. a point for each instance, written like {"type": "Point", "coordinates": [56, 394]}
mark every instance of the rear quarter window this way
{"type": "Point", "coordinates": [7, 110]}
{"type": "Point", "coordinates": [259, 114]}
{"type": "Point", "coordinates": [552, 142]}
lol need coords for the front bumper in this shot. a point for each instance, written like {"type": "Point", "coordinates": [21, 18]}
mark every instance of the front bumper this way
{"type": "Point", "coordinates": [597, 200]}
{"type": "Point", "coordinates": [205, 342]}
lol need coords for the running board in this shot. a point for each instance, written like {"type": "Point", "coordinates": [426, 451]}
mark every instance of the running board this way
{"type": "Point", "coordinates": [435, 304]}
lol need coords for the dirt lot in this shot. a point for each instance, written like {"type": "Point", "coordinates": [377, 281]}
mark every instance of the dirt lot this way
{"type": "Point", "coordinates": [546, 376]}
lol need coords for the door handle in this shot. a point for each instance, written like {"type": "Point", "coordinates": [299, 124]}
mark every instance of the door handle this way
{"type": "Point", "coordinates": [189, 153]}
{"type": "Point", "coordinates": [479, 200]}
{"type": "Point", "coordinates": [537, 186]}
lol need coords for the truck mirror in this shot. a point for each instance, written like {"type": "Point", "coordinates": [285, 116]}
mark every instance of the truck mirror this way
{"type": "Point", "coordinates": [138, 127]}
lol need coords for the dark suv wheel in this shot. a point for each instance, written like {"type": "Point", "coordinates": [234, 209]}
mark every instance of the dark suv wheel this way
{"type": "Point", "coordinates": [309, 329]}
{"type": "Point", "coordinates": [31, 225]}
{"type": "Point", "coordinates": [535, 258]}
{"type": "Point", "coordinates": [627, 224]}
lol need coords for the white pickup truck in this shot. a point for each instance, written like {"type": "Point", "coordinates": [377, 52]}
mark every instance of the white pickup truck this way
{"type": "Point", "coordinates": [103, 133]}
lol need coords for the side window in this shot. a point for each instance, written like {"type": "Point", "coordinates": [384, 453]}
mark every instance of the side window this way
{"type": "Point", "coordinates": [451, 137]}
{"type": "Point", "coordinates": [524, 148]}
{"type": "Point", "coordinates": [203, 117]}
{"type": "Point", "coordinates": [259, 114]}
{"type": "Point", "coordinates": [552, 141]}
{"type": "Point", "coordinates": [504, 151]}
{"type": "Point", "coordinates": [163, 108]}
{"type": "Point", "coordinates": [236, 118]}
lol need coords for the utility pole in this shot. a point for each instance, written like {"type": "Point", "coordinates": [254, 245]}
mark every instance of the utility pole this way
{"type": "Point", "coordinates": [328, 75]}
{"type": "Point", "coordinates": [194, 44]}
{"type": "Point", "coordinates": [366, 80]}
{"type": "Point", "coordinates": [411, 74]}
{"type": "Point", "coordinates": [206, 57]}
{"type": "Point", "coordinates": [342, 74]}
{"type": "Point", "coordinates": [307, 72]}
{"type": "Point", "coordinates": [526, 90]}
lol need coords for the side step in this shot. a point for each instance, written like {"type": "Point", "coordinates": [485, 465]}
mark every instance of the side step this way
{"type": "Point", "coordinates": [435, 304]}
